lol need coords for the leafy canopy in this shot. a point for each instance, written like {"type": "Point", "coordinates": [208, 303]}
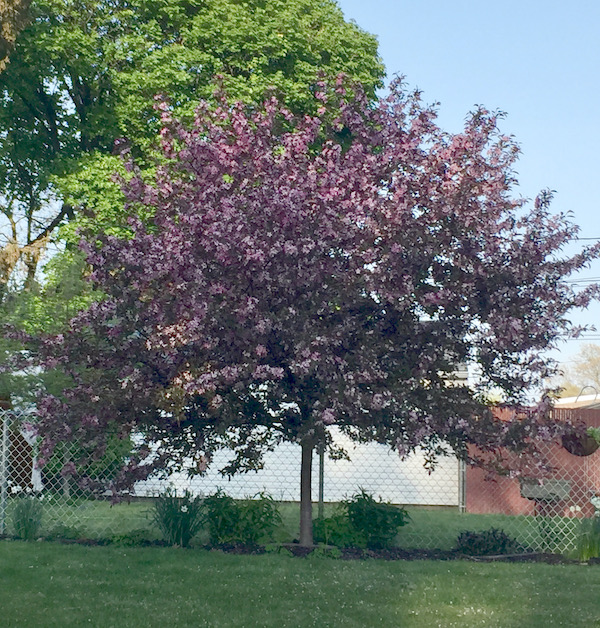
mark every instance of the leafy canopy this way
{"type": "Point", "coordinates": [287, 284]}
{"type": "Point", "coordinates": [84, 73]}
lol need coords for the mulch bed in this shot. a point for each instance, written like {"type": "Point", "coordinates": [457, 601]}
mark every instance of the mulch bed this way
{"type": "Point", "coordinates": [397, 553]}
{"type": "Point", "coordinates": [357, 553]}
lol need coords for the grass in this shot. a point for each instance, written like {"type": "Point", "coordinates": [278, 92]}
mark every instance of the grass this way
{"type": "Point", "coordinates": [48, 584]}
{"type": "Point", "coordinates": [94, 519]}
{"type": "Point", "coordinates": [552, 534]}
{"type": "Point", "coordinates": [439, 528]}
{"type": "Point", "coordinates": [436, 528]}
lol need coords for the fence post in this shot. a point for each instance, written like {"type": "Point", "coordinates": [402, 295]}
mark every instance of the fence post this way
{"type": "Point", "coordinates": [462, 486]}
{"type": "Point", "coordinates": [321, 505]}
{"type": "Point", "coordinates": [66, 481]}
{"type": "Point", "coordinates": [4, 453]}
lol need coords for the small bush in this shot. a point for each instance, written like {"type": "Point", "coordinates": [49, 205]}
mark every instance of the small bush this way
{"type": "Point", "coordinates": [135, 538]}
{"type": "Point", "coordinates": [487, 543]}
{"type": "Point", "coordinates": [588, 543]}
{"type": "Point", "coordinates": [222, 518]}
{"type": "Point", "coordinates": [361, 522]}
{"type": "Point", "coordinates": [27, 518]}
{"type": "Point", "coordinates": [336, 530]}
{"type": "Point", "coordinates": [246, 522]}
{"type": "Point", "coordinates": [259, 519]}
{"type": "Point", "coordinates": [178, 518]}
{"type": "Point", "coordinates": [376, 521]}
{"type": "Point", "coordinates": [325, 552]}
{"type": "Point", "coordinates": [63, 531]}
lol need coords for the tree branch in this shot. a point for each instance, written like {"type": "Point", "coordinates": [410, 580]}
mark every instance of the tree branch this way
{"type": "Point", "coordinates": [66, 211]}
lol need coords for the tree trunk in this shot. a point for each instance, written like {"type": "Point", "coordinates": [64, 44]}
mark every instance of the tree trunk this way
{"type": "Point", "coordinates": [306, 531]}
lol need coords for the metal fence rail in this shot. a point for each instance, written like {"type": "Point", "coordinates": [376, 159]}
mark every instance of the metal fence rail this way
{"type": "Point", "coordinates": [451, 499]}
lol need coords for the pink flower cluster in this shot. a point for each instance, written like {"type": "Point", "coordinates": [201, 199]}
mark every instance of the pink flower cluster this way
{"type": "Point", "coordinates": [298, 273]}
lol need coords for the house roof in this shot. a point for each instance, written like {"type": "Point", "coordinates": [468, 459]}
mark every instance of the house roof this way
{"type": "Point", "coordinates": [581, 401]}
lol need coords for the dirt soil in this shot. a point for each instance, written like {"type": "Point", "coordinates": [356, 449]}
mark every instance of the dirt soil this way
{"type": "Point", "coordinates": [396, 553]}
{"type": "Point", "coordinates": [356, 553]}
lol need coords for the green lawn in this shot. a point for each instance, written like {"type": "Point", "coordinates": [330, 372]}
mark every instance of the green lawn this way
{"type": "Point", "coordinates": [47, 584]}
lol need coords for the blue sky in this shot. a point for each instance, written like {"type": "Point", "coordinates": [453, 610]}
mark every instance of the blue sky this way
{"type": "Point", "coordinates": [537, 61]}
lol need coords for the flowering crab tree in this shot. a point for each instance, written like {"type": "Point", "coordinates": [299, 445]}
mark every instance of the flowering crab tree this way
{"type": "Point", "coordinates": [294, 274]}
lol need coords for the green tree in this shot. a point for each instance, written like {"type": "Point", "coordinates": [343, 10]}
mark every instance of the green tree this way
{"type": "Point", "coordinates": [46, 309]}
{"type": "Point", "coordinates": [84, 73]}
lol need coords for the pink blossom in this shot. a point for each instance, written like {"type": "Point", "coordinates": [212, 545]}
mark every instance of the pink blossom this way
{"type": "Point", "coordinates": [286, 283]}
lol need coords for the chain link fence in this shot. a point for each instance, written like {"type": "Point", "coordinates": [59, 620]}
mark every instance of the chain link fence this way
{"type": "Point", "coordinates": [549, 514]}
{"type": "Point", "coordinates": [543, 516]}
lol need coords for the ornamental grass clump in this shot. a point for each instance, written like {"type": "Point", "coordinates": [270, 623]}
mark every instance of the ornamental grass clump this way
{"type": "Point", "coordinates": [27, 518]}
{"type": "Point", "coordinates": [588, 543]}
{"type": "Point", "coordinates": [178, 518]}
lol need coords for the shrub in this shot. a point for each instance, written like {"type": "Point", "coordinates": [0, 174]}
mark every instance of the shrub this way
{"type": "Point", "coordinates": [178, 518]}
{"type": "Point", "coordinates": [135, 538]}
{"type": "Point", "coordinates": [361, 522]}
{"type": "Point", "coordinates": [375, 521]}
{"type": "Point", "coordinates": [27, 518]}
{"type": "Point", "coordinates": [63, 531]}
{"type": "Point", "coordinates": [232, 522]}
{"type": "Point", "coordinates": [222, 518]}
{"type": "Point", "coordinates": [98, 473]}
{"type": "Point", "coordinates": [336, 530]}
{"type": "Point", "coordinates": [259, 518]}
{"type": "Point", "coordinates": [487, 543]}
{"type": "Point", "coordinates": [588, 543]}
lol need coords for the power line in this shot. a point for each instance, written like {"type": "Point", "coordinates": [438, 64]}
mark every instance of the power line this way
{"type": "Point", "coordinates": [588, 338]}
{"type": "Point", "coordinates": [583, 284]}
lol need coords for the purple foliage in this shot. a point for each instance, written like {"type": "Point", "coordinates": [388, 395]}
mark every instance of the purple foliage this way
{"type": "Point", "coordinates": [287, 282]}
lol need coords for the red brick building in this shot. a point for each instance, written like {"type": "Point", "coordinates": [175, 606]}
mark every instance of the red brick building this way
{"type": "Point", "coordinates": [566, 492]}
